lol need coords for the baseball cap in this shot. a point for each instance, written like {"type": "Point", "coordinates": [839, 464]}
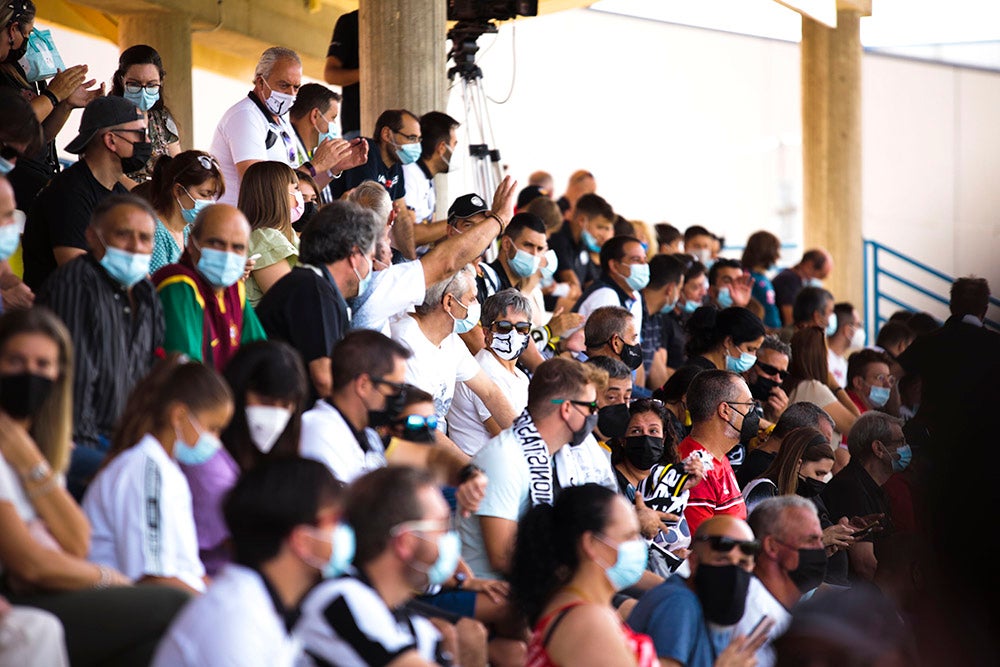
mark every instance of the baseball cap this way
{"type": "Point", "coordinates": [101, 113]}
{"type": "Point", "coordinates": [529, 193]}
{"type": "Point", "coordinates": [467, 206]}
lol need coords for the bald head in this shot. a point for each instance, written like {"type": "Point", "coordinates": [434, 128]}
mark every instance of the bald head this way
{"type": "Point", "coordinates": [707, 550]}
{"type": "Point", "coordinates": [220, 227]}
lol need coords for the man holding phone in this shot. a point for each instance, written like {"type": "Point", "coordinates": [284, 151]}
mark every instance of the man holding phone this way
{"type": "Point", "coordinates": [791, 562]}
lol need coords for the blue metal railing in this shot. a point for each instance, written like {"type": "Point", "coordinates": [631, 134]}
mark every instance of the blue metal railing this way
{"type": "Point", "coordinates": [905, 283]}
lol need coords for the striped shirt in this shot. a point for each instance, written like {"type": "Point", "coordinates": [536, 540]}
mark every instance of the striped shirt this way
{"type": "Point", "coordinates": [114, 340]}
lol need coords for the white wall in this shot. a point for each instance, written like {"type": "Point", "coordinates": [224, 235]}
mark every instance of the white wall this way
{"type": "Point", "coordinates": [698, 127]}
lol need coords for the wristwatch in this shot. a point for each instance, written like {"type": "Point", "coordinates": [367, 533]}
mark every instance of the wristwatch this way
{"type": "Point", "coordinates": [460, 579]}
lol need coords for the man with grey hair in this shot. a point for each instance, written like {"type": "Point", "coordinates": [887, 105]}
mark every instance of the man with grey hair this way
{"type": "Point", "coordinates": [798, 415]}
{"type": "Point", "coordinates": [440, 359]}
{"type": "Point", "coordinates": [765, 377]}
{"type": "Point", "coordinates": [308, 307]}
{"type": "Point", "coordinates": [791, 562]}
{"type": "Point", "coordinates": [878, 448]}
{"type": "Point", "coordinates": [506, 322]}
{"type": "Point", "coordinates": [371, 195]}
{"type": "Point", "coordinates": [722, 414]}
{"type": "Point", "coordinates": [257, 127]}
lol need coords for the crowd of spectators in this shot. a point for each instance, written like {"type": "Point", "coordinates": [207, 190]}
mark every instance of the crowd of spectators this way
{"type": "Point", "coordinates": [259, 407]}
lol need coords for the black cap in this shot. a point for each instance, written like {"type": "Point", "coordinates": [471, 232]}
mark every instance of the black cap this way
{"type": "Point", "coordinates": [467, 206]}
{"type": "Point", "coordinates": [529, 194]}
{"type": "Point", "coordinates": [101, 113]}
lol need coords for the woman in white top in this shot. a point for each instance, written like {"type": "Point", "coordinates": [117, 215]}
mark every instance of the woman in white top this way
{"type": "Point", "coordinates": [139, 503]}
{"type": "Point", "coordinates": [809, 380]}
{"type": "Point", "coordinates": [44, 536]}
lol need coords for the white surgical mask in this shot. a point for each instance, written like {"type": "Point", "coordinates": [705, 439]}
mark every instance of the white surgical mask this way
{"type": "Point", "coordinates": [266, 423]}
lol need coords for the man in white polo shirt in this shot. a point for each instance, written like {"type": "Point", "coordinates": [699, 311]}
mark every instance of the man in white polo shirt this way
{"type": "Point", "coordinates": [283, 519]}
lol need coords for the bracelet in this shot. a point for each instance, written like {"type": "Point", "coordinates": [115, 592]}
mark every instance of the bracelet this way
{"type": "Point", "coordinates": [552, 338]}
{"type": "Point", "coordinates": [308, 166]}
{"type": "Point", "coordinates": [503, 225]}
{"type": "Point", "coordinates": [38, 472]}
{"type": "Point", "coordinates": [51, 96]}
{"type": "Point", "coordinates": [468, 472]}
{"type": "Point", "coordinates": [105, 580]}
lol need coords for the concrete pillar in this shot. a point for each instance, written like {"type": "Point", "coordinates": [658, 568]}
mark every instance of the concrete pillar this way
{"type": "Point", "coordinates": [831, 147]}
{"type": "Point", "coordinates": [170, 34]}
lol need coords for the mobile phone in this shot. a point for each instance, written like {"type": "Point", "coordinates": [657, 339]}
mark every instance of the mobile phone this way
{"type": "Point", "coordinates": [866, 531]}
{"type": "Point", "coordinates": [762, 628]}
{"type": "Point", "coordinates": [254, 257]}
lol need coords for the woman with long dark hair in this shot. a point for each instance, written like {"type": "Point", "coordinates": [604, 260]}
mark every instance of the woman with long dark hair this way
{"type": "Point", "coordinates": [726, 339]}
{"type": "Point", "coordinates": [570, 558]}
{"type": "Point", "coordinates": [139, 79]}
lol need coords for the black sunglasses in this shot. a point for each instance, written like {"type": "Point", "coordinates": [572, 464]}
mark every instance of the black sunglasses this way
{"type": "Point", "coordinates": [771, 370]}
{"type": "Point", "coordinates": [8, 152]}
{"type": "Point", "coordinates": [590, 405]}
{"type": "Point", "coordinates": [725, 544]}
{"type": "Point", "coordinates": [398, 386]}
{"type": "Point", "coordinates": [505, 327]}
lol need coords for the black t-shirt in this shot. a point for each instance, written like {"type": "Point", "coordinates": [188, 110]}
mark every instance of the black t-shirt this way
{"type": "Point", "coordinates": [673, 338]}
{"type": "Point", "coordinates": [573, 255]}
{"type": "Point", "coordinates": [787, 285]}
{"type": "Point", "coordinates": [754, 465]}
{"type": "Point", "coordinates": [59, 217]}
{"type": "Point", "coordinates": [306, 310]}
{"type": "Point", "coordinates": [373, 170]}
{"type": "Point", "coordinates": [852, 492]}
{"type": "Point", "coordinates": [32, 172]}
{"type": "Point", "coordinates": [344, 47]}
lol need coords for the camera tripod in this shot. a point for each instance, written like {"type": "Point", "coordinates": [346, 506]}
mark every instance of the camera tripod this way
{"type": "Point", "coordinates": [485, 156]}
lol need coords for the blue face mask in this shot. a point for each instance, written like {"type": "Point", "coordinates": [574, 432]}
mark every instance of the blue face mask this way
{"type": "Point", "coordinates": [142, 99]}
{"type": "Point", "coordinates": [10, 238]}
{"type": "Point", "coordinates": [199, 453]}
{"type": "Point", "coordinates": [725, 298]}
{"type": "Point", "coordinates": [363, 283]}
{"type": "Point", "coordinates": [449, 549]}
{"type": "Point", "coordinates": [638, 276]}
{"type": "Point", "coordinates": [189, 214]}
{"type": "Point", "coordinates": [408, 153]}
{"type": "Point", "coordinates": [125, 268]}
{"type": "Point", "coordinates": [524, 263]}
{"type": "Point", "coordinates": [590, 242]}
{"type": "Point", "coordinates": [471, 319]}
{"type": "Point", "coordinates": [221, 269]}
{"type": "Point", "coordinates": [690, 306]}
{"type": "Point", "coordinates": [342, 547]}
{"type": "Point", "coordinates": [551, 264]}
{"type": "Point", "coordinates": [878, 396]}
{"type": "Point", "coordinates": [905, 456]}
{"type": "Point", "coordinates": [831, 325]}
{"type": "Point", "coordinates": [6, 166]}
{"type": "Point", "coordinates": [814, 282]}
{"type": "Point", "coordinates": [331, 133]}
{"type": "Point", "coordinates": [631, 563]}
{"type": "Point", "coordinates": [669, 306]}
{"type": "Point", "coordinates": [740, 364]}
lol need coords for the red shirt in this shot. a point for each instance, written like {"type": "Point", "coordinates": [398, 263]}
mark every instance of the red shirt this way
{"type": "Point", "coordinates": [718, 493]}
{"type": "Point", "coordinates": [857, 401]}
{"type": "Point", "coordinates": [639, 644]}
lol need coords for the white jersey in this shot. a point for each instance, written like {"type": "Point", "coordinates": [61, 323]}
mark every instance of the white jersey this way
{"type": "Point", "coordinates": [236, 622]}
{"type": "Point", "coordinates": [139, 508]}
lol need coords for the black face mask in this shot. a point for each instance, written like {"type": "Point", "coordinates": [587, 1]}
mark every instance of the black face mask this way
{"type": "Point", "coordinates": [13, 55]}
{"type": "Point", "coordinates": [722, 590]}
{"type": "Point", "coordinates": [811, 570]}
{"type": "Point", "coordinates": [761, 388]}
{"type": "Point", "coordinates": [809, 487]}
{"type": "Point", "coordinates": [23, 394]}
{"type": "Point", "coordinates": [751, 423]}
{"type": "Point", "coordinates": [643, 451]}
{"type": "Point", "coordinates": [612, 420]}
{"type": "Point", "coordinates": [141, 152]}
{"type": "Point", "coordinates": [390, 413]}
{"type": "Point", "coordinates": [631, 355]}
{"type": "Point", "coordinates": [307, 212]}
{"type": "Point", "coordinates": [588, 427]}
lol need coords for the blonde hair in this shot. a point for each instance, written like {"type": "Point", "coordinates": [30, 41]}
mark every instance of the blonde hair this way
{"type": "Point", "coordinates": [264, 196]}
{"type": "Point", "coordinates": [52, 426]}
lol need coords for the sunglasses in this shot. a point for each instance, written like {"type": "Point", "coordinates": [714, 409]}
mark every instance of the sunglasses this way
{"type": "Point", "coordinates": [724, 544]}
{"type": "Point", "coordinates": [414, 422]}
{"type": "Point", "coordinates": [505, 327]}
{"type": "Point", "coordinates": [8, 152]}
{"type": "Point", "coordinates": [768, 369]}
{"type": "Point", "coordinates": [398, 386]}
{"type": "Point", "coordinates": [590, 405]}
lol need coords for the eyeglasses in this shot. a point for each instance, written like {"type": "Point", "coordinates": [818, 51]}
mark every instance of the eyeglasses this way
{"type": "Point", "coordinates": [131, 87]}
{"type": "Point", "coordinates": [400, 387]}
{"type": "Point", "coordinates": [891, 379]}
{"type": "Point", "coordinates": [141, 133]}
{"type": "Point", "coordinates": [417, 526]}
{"type": "Point", "coordinates": [414, 422]}
{"type": "Point", "coordinates": [505, 327]}
{"type": "Point", "coordinates": [412, 138]}
{"type": "Point", "coordinates": [590, 405]}
{"type": "Point", "coordinates": [768, 369]}
{"type": "Point", "coordinates": [8, 152]}
{"type": "Point", "coordinates": [724, 544]}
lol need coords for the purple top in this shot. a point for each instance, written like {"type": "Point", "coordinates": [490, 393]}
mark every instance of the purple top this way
{"type": "Point", "coordinates": [210, 482]}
